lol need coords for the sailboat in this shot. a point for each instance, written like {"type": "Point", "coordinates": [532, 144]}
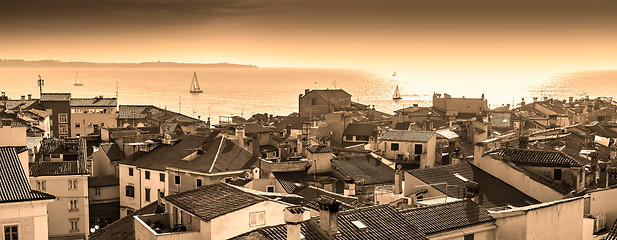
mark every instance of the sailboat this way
{"type": "Point", "coordinates": [397, 94]}
{"type": "Point", "coordinates": [195, 85]}
{"type": "Point", "coordinates": [77, 82]}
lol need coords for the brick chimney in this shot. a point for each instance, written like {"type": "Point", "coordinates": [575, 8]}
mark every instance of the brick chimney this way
{"type": "Point", "coordinates": [328, 214]}
{"type": "Point", "coordinates": [30, 96]}
{"type": "Point", "coordinates": [294, 216]}
{"type": "Point", "coordinates": [398, 181]}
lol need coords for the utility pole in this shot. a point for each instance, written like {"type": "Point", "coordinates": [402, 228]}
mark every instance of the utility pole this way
{"type": "Point", "coordinates": [180, 105]}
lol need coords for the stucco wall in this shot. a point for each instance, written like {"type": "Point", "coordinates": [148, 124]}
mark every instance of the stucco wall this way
{"type": "Point", "coordinates": [222, 229]}
{"type": "Point", "coordinates": [30, 216]}
{"type": "Point", "coordinates": [321, 161]}
{"type": "Point", "coordinates": [154, 184]}
{"type": "Point", "coordinates": [427, 158]}
{"type": "Point", "coordinates": [515, 178]}
{"type": "Point", "coordinates": [87, 120]}
{"type": "Point", "coordinates": [604, 202]}
{"type": "Point", "coordinates": [560, 221]}
{"type": "Point", "coordinates": [126, 180]}
{"type": "Point", "coordinates": [12, 136]}
{"type": "Point", "coordinates": [58, 210]}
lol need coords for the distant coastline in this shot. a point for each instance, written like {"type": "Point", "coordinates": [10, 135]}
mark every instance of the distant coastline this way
{"type": "Point", "coordinates": [59, 64]}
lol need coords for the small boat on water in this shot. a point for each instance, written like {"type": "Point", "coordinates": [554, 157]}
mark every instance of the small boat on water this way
{"type": "Point", "coordinates": [77, 82]}
{"type": "Point", "coordinates": [397, 94]}
{"type": "Point", "coordinates": [195, 84]}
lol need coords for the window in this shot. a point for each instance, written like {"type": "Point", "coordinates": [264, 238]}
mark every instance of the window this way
{"type": "Point", "coordinates": [348, 138]}
{"type": "Point", "coordinates": [73, 205]}
{"type": "Point", "coordinates": [130, 191]}
{"type": "Point", "coordinates": [72, 184]}
{"type": "Point", "coordinates": [74, 225]}
{"type": "Point", "coordinates": [102, 124]}
{"type": "Point", "coordinates": [147, 174]}
{"type": "Point", "coordinates": [468, 237]}
{"type": "Point", "coordinates": [177, 179]}
{"type": "Point", "coordinates": [63, 129]}
{"type": "Point", "coordinates": [270, 188]}
{"type": "Point", "coordinates": [557, 175]}
{"type": "Point", "coordinates": [313, 101]}
{"type": "Point", "coordinates": [130, 171]}
{"type": "Point", "coordinates": [77, 125]}
{"type": "Point", "coordinates": [257, 218]}
{"type": "Point", "coordinates": [41, 185]}
{"type": "Point", "coordinates": [147, 193]}
{"type": "Point", "coordinates": [63, 118]}
{"type": "Point", "coordinates": [394, 146]}
{"type": "Point", "coordinates": [10, 233]}
{"type": "Point", "coordinates": [162, 177]}
{"type": "Point", "coordinates": [198, 182]}
{"type": "Point", "coordinates": [97, 191]}
{"type": "Point", "coordinates": [418, 149]}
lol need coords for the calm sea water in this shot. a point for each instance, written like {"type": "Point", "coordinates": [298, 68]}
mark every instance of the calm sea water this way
{"type": "Point", "coordinates": [275, 90]}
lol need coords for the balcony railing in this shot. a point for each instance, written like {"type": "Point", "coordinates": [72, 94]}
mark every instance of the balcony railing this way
{"type": "Point", "coordinates": [156, 226]}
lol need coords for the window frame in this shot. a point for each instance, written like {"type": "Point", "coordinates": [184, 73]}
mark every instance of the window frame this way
{"type": "Point", "coordinates": [129, 191]}
{"type": "Point", "coordinates": [147, 194]}
{"type": "Point", "coordinates": [131, 171]}
{"type": "Point", "coordinates": [73, 205]}
{"type": "Point", "coordinates": [398, 147]}
{"type": "Point", "coordinates": [72, 184]}
{"type": "Point", "coordinates": [162, 177]}
{"type": "Point", "coordinates": [147, 174]}
{"type": "Point", "coordinates": [177, 179]}
{"type": "Point", "coordinates": [198, 182]}
{"type": "Point", "coordinates": [10, 226]}
{"type": "Point", "coordinates": [63, 116]}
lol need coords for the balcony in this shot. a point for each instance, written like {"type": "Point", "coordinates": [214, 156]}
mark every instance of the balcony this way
{"type": "Point", "coordinates": [156, 226]}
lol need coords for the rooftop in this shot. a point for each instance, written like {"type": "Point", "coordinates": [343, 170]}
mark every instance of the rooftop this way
{"type": "Point", "coordinates": [160, 157]}
{"type": "Point", "coordinates": [124, 228]}
{"type": "Point", "coordinates": [364, 169]}
{"type": "Point", "coordinates": [103, 181]}
{"type": "Point", "coordinates": [55, 97]}
{"type": "Point", "coordinates": [14, 185]}
{"type": "Point", "coordinates": [493, 191]}
{"type": "Point", "coordinates": [211, 201]}
{"type": "Point", "coordinates": [220, 155]}
{"type": "Point", "coordinates": [94, 102]}
{"type": "Point", "coordinates": [56, 168]}
{"type": "Point", "coordinates": [332, 94]}
{"type": "Point", "coordinates": [319, 149]}
{"type": "Point", "coordinates": [408, 136]}
{"type": "Point", "coordinates": [360, 129]}
{"type": "Point", "coordinates": [113, 151]}
{"type": "Point", "coordinates": [447, 216]}
{"type": "Point", "coordinates": [547, 158]}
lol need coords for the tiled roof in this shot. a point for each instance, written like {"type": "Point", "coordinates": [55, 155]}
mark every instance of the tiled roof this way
{"type": "Point", "coordinates": [14, 185]}
{"type": "Point", "coordinates": [364, 169]}
{"type": "Point", "coordinates": [332, 95]}
{"type": "Point", "coordinates": [51, 97]}
{"type": "Point", "coordinates": [493, 191]}
{"type": "Point", "coordinates": [408, 136]}
{"type": "Point", "coordinates": [612, 234]}
{"type": "Point", "coordinates": [211, 201]}
{"type": "Point", "coordinates": [113, 151]}
{"type": "Point", "coordinates": [256, 128]}
{"type": "Point", "coordinates": [402, 125]}
{"type": "Point", "coordinates": [56, 168]}
{"type": "Point", "coordinates": [160, 157]}
{"type": "Point", "coordinates": [220, 155]}
{"type": "Point", "coordinates": [549, 158]}
{"type": "Point", "coordinates": [103, 181]}
{"type": "Point", "coordinates": [360, 129]}
{"type": "Point", "coordinates": [382, 222]}
{"type": "Point", "coordinates": [94, 102]}
{"type": "Point", "coordinates": [447, 133]}
{"type": "Point", "coordinates": [19, 104]}
{"type": "Point", "coordinates": [319, 149]}
{"type": "Point", "coordinates": [442, 217]}
{"type": "Point", "coordinates": [124, 228]}
{"type": "Point", "coordinates": [312, 194]}
{"type": "Point", "coordinates": [133, 111]}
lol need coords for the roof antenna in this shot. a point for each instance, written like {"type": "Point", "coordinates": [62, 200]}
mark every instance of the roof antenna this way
{"type": "Point", "coordinates": [41, 84]}
{"type": "Point", "coordinates": [180, 105]}
{"type": "Point", "coordinates": [116, 89]}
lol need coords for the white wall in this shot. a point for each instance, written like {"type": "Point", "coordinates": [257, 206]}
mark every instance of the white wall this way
{"type": "Point", "coordinates": [222, 229]}
{"type": "Point", "coordinates": [29, 216]}
{"type": "Point", "coordinates": [12, 136]}
{"type": "Point", "coordinates": [321, 161]}
{"type": "Point", "coordinates": [515, 178]}
{"type": "Point", "coordinates": [604, 202]}
{"type": "Point", "coordinates": [154, 183]}
{"type": "Point", "coordinates": [125, 180]}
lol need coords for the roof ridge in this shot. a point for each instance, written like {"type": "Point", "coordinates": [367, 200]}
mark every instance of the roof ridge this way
{"type": "Point", "coordinates": [217, 154]}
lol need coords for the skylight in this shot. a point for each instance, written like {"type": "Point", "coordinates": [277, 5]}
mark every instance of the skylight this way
{"type": "Point", "coordinates": [359, 224]}
{"type": "Point", "coordinates": [461, 177]}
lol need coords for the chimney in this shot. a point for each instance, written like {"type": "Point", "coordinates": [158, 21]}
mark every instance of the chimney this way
{"type": "Point", "coordinates": [535, 99]}
{"type": "Point", "coordinates": [256, 147]}
{"type": "Point", "coordinates": [613, 153]}
{"type": "Point", "coordinates": [328, 214]}
{"type": "Point", "coordinates": [398, 181]}
{"type": "Point", "coordinates": [288, 131]}
{"type": "Point", "coordinates": [23, 98]}
{"type": "Point", "coordinates": [570, 100]}
{"type": "Point", "coordinates": [306, 91]}
{"type": "Point", "coordinates": [522, 102]}
{"type": "Point", "coordinates": [30, 96]}
{"type": "Point", "coordinates": [294, 216]}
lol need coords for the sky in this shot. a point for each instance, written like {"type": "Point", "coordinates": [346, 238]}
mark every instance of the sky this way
{"type": "Point", "coordinates": [451, 38]}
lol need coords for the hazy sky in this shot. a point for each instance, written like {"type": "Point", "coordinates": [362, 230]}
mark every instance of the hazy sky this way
{"type": "Point", "coordinates": [432, 35]}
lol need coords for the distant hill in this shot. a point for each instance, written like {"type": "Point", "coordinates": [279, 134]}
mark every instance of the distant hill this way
{"type": "Point", "coordinates": [60, 64]}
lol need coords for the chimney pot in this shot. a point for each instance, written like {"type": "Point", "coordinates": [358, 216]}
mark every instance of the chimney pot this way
{"type": "Point", "coordinates": [328, 214]}
{"type": "Point", "coordinates": [29, 96]}
{"type": "Point", "coordinates": [293, 217]}
{"type": "Point", "coordinates": [23, 97]}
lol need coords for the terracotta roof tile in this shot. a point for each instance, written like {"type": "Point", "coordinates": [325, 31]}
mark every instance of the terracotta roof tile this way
{"type": "Point", "coordinates": [443, 217]}
{"type": "Point", "coordinates": [549, 158]}
{"type": "Point", "coordinates": [14, 185]}
{"type": "Point", "coordinates": [493, 191]}
{"type": "Point", "coordinates": [54, 97]}
{"type": "Point", "coordinates": [94, 102]}
{"type": "Point", "coordinates": [124, 228]}
{"type": "Point", "coordinates": [408, 136]}
{"type": "Point", "coordinates": [211, 201]}
{"type": "Point", "coordinates": [56, 168]}
{"type": "Point", "coordinates": [364, 169]}
{"type": "Point", "coordinates": [319, 149]}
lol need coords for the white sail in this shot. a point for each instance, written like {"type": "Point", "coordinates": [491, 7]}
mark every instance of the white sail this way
{"type": "Point", "coordinates": [77, 82]}
{"type": "Point", "coordinates": [397, 94]}
{"type": "Point", "coordinates": [195, 84]}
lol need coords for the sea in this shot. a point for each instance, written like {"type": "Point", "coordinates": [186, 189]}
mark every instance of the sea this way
{"type": "Point", "coordinates": [247, 91]}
